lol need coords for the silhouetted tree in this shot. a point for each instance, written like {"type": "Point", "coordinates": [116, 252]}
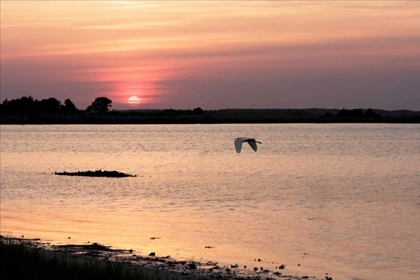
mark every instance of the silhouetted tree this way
{"type": "Point", "coordinates": [371, 114]}
{"type": "Point", "coordinates": [28, 105]}
{"type": "Point", "coordinates": [50, 105]}
{"type": "Point", "coordinates": [101, 104]}
{"type": "Point", "coordinates": [69, 106]}
{"type": "Point", "coordinates": [355, 113]}
{"type": "Point", "coordinates": [4, 105]}
{"type": "Point", "coordinates": [20, 105]}
{"type": "Point", "coordinates": [198, 111]}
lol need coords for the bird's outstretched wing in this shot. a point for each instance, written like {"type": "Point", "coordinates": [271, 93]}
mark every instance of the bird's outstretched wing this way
{"type": "Point", "coordinates": [253, 145]}
{"type": "Point", "coordinates": [238, 144]}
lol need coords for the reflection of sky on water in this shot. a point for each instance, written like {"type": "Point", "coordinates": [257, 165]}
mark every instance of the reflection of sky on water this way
{"type": "Point", "coordinates": [344, 194]}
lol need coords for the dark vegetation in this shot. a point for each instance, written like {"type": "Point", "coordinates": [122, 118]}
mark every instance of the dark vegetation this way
{"type": "Point", "coordinates": [27, 110]}
{"type": "Point", "coordinates": [101, 104]}
{"type": "Point", "coordinates": [29, 105]}
{"type": "Point", "coordinates": [19, 261]}
{"type": "Point", "coordinates": [97, 173]}
{"type": "Point", "coordinates": [31, 259]}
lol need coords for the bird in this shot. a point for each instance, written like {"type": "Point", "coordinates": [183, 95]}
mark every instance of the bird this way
{"type": "Point", "coordinates": [251, 141]}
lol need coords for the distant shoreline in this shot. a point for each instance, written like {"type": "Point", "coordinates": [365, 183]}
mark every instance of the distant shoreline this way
{"type": "Point", "coordinates": [232, 121]}
{"type": "Point", "coordinates": [222, 116]}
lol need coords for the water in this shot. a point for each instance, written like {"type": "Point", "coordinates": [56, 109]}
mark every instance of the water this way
{"type": "Point", "coordinates": [342, 199]}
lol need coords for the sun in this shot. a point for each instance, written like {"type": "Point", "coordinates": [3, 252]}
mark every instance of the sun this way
{"type": "Point", "coordinates": [134, 100]}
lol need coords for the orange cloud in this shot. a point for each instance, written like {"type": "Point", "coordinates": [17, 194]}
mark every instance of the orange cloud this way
{"type": "Point", "coordinates": [138, 45]}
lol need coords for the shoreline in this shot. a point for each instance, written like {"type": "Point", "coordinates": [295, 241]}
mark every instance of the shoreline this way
{"type": "Point", "coordinates": [164, 121]}
{"type": "Point", "coordinates": [32, 114]}
{"type": "Point", "coordinates": [162, 267]}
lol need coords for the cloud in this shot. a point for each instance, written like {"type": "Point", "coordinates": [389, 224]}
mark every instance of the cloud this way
{"type": "Point", "coordinates": [178, 52]}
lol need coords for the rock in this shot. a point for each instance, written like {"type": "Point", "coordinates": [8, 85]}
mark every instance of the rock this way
{"type": "Point", "coordinates": [192, 266]}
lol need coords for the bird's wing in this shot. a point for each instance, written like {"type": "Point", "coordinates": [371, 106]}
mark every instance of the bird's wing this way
{"type": "Point", "coordinates": [238, 144]}
{"type": "Point", "coordinates": [253, 145]}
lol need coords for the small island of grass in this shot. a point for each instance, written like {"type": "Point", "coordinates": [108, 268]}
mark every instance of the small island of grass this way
{"type": "Point", "coordinates": [97, 173]}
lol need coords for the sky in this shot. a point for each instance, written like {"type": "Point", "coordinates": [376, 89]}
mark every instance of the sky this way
{"type": "Point", "coordinates": [213, 54]}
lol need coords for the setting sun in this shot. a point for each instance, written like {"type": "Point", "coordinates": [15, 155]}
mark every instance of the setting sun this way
{"type": "Point", "coordinates": [134, 100]}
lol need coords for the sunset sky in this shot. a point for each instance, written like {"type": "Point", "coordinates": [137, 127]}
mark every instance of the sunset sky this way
{"type": "Point", "coordinates": [214, 54]}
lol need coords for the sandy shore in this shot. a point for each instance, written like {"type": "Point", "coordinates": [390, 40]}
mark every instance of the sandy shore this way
{"type": "Point", "coordinates": [152, 264]}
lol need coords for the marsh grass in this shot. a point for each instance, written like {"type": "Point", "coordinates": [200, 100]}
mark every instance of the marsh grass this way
{"type": "Point", "coordinates": [20, 261]}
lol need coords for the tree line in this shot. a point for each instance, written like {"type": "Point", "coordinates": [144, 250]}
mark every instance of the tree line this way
{"type": "Point", "coordinates": [51, 110]}
{"type": "Point", "coordinates": [354, 113]}
{"type": "Point", "coordinates": [29, 105]}
{"type": "Point", "coordinates": [51, 105]}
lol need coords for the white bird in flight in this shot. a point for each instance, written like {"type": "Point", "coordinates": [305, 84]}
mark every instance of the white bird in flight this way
{"type": "Point", "coordinates": [251, 141]}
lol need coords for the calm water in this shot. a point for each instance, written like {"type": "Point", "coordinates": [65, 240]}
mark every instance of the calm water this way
{"type": "Point", "coordinates": [345, 195]}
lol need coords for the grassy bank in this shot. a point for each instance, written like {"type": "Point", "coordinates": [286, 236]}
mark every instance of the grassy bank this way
{"type": "Point", "coordinates": [31, 259]}
{"type": "Point", "coordinates": [20, 261]}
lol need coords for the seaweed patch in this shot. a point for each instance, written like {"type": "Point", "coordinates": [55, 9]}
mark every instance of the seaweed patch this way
{"type": "Point", "coordinates": [97, 173]}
